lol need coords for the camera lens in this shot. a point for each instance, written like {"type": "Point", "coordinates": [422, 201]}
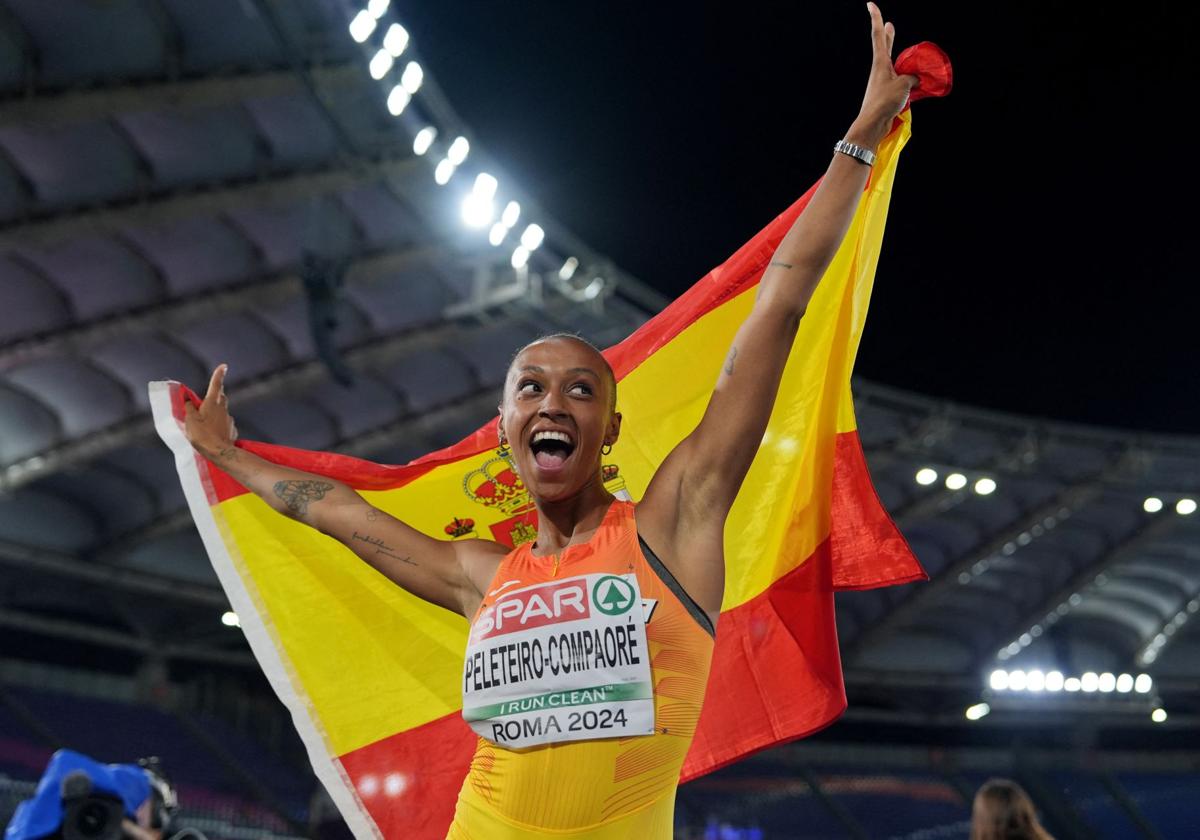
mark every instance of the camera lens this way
{"type": "Point", "coordinates": [93, 819]}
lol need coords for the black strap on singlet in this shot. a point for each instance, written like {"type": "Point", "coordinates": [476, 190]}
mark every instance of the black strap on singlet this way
{"type": "Point", "coordinates": [664, 574]}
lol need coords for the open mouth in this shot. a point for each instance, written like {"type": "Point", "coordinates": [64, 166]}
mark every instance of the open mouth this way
{"type": "Point", "coordinates": [551, 449]}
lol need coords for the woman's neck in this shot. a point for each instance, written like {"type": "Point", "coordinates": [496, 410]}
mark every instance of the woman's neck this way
{"type": "Point", "coordinates": [563, 522]}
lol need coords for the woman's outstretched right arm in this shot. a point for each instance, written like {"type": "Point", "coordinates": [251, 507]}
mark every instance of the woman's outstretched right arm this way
{"type": "Point", "coordinates": [450, 574]}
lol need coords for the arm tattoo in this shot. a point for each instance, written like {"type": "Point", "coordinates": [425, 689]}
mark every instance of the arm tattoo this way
{"type": "Point", "coordinates": [382, 548]}
{"type": "Point", "coordinates": [372, 514]}
{"type": "Point", "coordinates": [297, 494]}
{"type": "Point", "coordinates": [227, 453]}
{"type": "Point", "coordinates": [782, 264]}
{"type": "Point", "coordinates": [730, 360]}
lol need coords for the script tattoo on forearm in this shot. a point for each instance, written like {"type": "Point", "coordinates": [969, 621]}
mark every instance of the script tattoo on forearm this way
{"type": "Point", "coordinates": [297, 495]}
{"type": "Point", "coordinates": [782, 264]}
{"type": "Point", "coordinates": [227, 453]}
{"type": "Point", "coordinates": [382, 548]}
{"type": "Point", "coordinates": [730, 360]}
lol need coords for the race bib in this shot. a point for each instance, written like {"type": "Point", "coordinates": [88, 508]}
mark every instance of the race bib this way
{"type": "Point", "coordinates": [564, 660]}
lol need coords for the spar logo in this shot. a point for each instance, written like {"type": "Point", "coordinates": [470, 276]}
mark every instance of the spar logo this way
{"type": "Point", "coordinates": [613, 595]}
{"type": "Point", "coordinates": [535, 606]}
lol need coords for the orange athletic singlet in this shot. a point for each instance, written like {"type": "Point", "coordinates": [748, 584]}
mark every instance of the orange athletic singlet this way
{"type": "Point", "coordinates": [603, 788]}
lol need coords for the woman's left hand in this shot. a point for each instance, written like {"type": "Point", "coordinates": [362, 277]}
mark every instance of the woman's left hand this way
{"type": "Point", "coordinates": [887, 91]}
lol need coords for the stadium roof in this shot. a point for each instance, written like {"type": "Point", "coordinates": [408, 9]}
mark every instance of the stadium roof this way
{"type": "Point", "coordinates": [187, 183]}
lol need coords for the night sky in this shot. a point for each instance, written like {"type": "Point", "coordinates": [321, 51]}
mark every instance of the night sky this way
{"type": "Point", "coordinates": [1037, 257]}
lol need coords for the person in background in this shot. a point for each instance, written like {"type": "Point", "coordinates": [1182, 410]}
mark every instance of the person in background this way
{"type": "Point", "coordinates": [1004, 811]}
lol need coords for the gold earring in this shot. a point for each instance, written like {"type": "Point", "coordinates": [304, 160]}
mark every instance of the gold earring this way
{"type": "Point", "coordinates": [606, 449]}
{"type": "Point", "coordinates": [502, 449]}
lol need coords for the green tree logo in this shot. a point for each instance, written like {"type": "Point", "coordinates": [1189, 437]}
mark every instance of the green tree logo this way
{"type": "Point", "coordinates": [613, 595]}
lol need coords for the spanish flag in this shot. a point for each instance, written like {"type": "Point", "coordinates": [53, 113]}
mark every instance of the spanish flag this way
{"type": "Point", "coordinates": [371, 674]}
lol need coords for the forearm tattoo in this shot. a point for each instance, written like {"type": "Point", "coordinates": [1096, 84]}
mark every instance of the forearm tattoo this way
{"type": "Point", "coordinates": [297, 495]}
{"type": "Point", "coordinates": [382, 548]}
{"type": "Point", "coordinates": [730, 360]}
{"type": "Point", "coordinates": [782, 264]}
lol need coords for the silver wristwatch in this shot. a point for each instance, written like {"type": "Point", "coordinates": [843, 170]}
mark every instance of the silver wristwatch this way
{"type": "Point", "coordinates": [855, 151]}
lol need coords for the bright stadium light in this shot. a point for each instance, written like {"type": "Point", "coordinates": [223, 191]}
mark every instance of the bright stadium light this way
{"type": "Point", "coordinates": [458, 150]}
{"type": "Point", "coordinates": [1185, 507]}
{"type": "Point", "coordinates": [1017, 680]}
{"type": "Point", "coordinates": [230, 619]}
{"type": "Point", "coordinates": [1089, 682]}
{"type": "Point", "coordinates": [569, 266]}
{"type": "Point", "coordinates": [1106, 683]}
{"type": "Point", "coordinates": [1054, 681]}
{"type": "Point", "coordinates": [424, 140]}
{"type": "Point", "coordinates": [926, 476]}
{"type": "Point", "coordinates": [533, 237]}
{"type": "Point", "coordinates": [520, 257]}
{"type": "Point", "coordinates": [1143, 684]}
{"type": "Point", "coordinates": [985, 486]}
{"type": "Point", "coordinates": [998, 680]}
{"type": "Point", "coordinates": [477, 210]}
{"type": "Point", "coordinates": [395, 40]}
{"type": "Point", "coordinates": [485, 185]}
{"type": "Point", "coordinates": [1125, 683]}
{"type": "Point", "coordinates": [377, 8]}
{"type": "Point", "coordinates": [497, 233]}
{"type": "Point", "coordinates": [1071, 684]}
{"type": "Point", "coordinates": [956, 481]}
{"type": "Point", "coordinates": [1153, 504]}
{"type": "Point", "coordinates": [592, 291]}
{"type": "Point", "coordinates": [1158, 715]}
{"type": "Point", "coordinates": [380, 64]}
{"type": "Point", "coordinates": [444, 171]}
{"type": "Point", "coordinates": [398, 100]}
{"type": "Point", "coordinates": [412, 77]}
{"type": "Point", "coordinates": [977, 711]}
{"type": "Point", "coordinates": [1035, 681]}
{"type": "Point", "coordinates": [512, 212]}
{"type": "Point", "coordinates": [362, 26]}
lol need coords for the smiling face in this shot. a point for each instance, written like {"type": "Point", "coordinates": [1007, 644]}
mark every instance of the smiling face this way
{"type": "Point", "coordinates": [556, 414]}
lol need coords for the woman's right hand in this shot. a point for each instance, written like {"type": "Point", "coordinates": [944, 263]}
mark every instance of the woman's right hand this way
{"type": "Point", "coordinates": [209, 428]}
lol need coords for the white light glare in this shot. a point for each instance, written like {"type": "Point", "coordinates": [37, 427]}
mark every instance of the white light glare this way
{"type": "Point", "coordinates": [593, 290]}
{"type": "Point", "coordinates": [926, 476]}
{"type": "Point", "coordinates": [477, 210]}
{"type": "Point", "coordinates": [398, 100]}
{"type": "Point", "coordinates": [230, 619]}
{"type": "Point", "coordinates": [956, 481]}
{"type": "Point", "coordinates": [485, 185]}
{"type": "Point", "coordinates": [1185, 507]}
{"type": "Point", "coordinates": [378, 7]}
{"type": "Point", "coordinates": [520, 257]}
{"type": "Point", "coordinates": [362, 26]}
{"type": "Point", "coordinates": [396, 39]}
{"type": "Point", "coordinates": [1106, 683]}
{"type": "Point", "coordinates": [458, 150]}
{"type": "Point", "coordinates": [985, 486]}
{"type": "Point", "coordinates": [1143, 684]}
{"type": "Point", "coordinates": [497, 233]}
{"type": "Point", "coordinates": [1089, 682]}
{"type": "Point", "coordinates": [380, 64]}
{"type": "Point", "coordinates": [394, 784]}
{"type": "Point", "coordinates": [412, 77]}
{"type": "Point", "coordinates": [568, 269]}
{"type": "Point", "coordinates": [1153, 504]}
{"type": "Point", "coordinates": [424, 140]}
{"type": "Point", "coordinates": [1125, 683]}
{"type": "Point", "coordinates": [998, 680]}
{"type": "Point", "coordinates": [532, 237]}
{"type": "Point", "coordinates": [1017, 680]}
{"type": "Point", "coordinates": [1035, 681]}
{"type": "Point", "coordinates": [1071, 684]}
{"type": "Point", "coordinates": [1158, 715]}
{"type": "Point", "coordinates": [369, 786]}
{"type": "Point", "coordinates": [977, 711]}
{"type": "Point", "coordinates": [512, 212]}
{"type": "Point", "coordinates": [445, 169]}
{"type": "Point", "coordinates": [1054, 681]}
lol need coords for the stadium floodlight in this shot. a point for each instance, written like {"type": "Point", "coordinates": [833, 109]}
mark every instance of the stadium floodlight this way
{"type": "Point", "coordinates": [230, 619]}
{"type": "Point", "coordinates": [1106, 683]}
{"type": "Point", "coordinates": [985, 486]}
{"type": "Point", "coordinates": [956, 481]}
{"type": "Point", "coordinates": [568, 269]}
{"type": "Point", "coordinates": [395, 40]}
{"type": "Point", "coordinates": [458, 150]}
{"type": "Point", "coordinates": [1089, 682]}
{"type": "Point", "coordinates": [977, 711]}
{"type": "Point", "coordinates": [533, 237]}
{"type": "Point", "coordinates": [444, 171]}
{"type": "Point", "coordinates": [497, 233]}
{"type": "Point", "coordinates": [1035, 680]}
{"type": "Point", "coordinates": [592, 291]}
{"type": "Point", "coordinates": [1185, 507]}
{"type": "Point", "coordinates": [485, 185]}
{"type": "Point", "coordinates": [512, 212]}
{"type": "Point", "coordinates": [998, 679]}
{"type": "Point", "coordinates": [398, 100]}
{"type": "Point", "coordinates": [1158, 715]}
{"type": "Point", "coordinates": [362, 26]}
{"type": "Point", "coordinates": [1125, 683]}
{"type": "Point", "coordinates": [412, 77]}
{"type": "Point", "coordinates": [1017, 680]}
{"type": "Point", "coordinates": [1071, 684]}
{"type": "Point", "coordinates": [380, 64]}
{"type": "Point", "coordinates": [1153, 504]}
{"type": "Point", "coordinates": [1025, 640]}
{"type": "Point", "coordinates": [926, 476]}
{"type": "Point", "coordinates": [1054, 681]}
{"type": "Point", "coordinates": [520, 257]}
{"type": "Point", "coordinates": [378, 8]}
{"type": "Point", "coordinates": [477, 210]}
{"type": "Point", "coordinates": [424, 140]}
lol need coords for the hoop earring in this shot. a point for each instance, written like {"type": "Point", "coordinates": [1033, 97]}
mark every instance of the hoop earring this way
{"type": "Point", "coordinates": [502, 448]}
{"type": "Point", "coordinates": [606, 449]}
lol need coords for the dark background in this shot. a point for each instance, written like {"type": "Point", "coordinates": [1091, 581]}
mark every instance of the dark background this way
{"type": "Point", "coordinates": [1037, 257]}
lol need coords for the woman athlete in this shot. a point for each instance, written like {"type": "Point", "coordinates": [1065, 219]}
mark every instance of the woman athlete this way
{"type": "Point", "coordinates": [557, 413]}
